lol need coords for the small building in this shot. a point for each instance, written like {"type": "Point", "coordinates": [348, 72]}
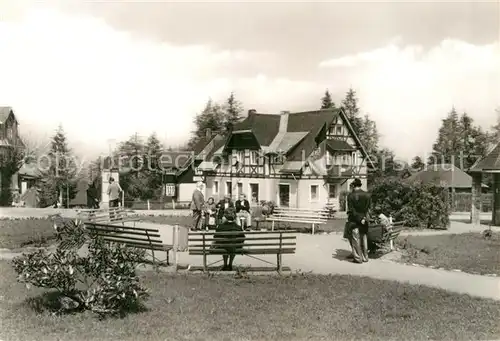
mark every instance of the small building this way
{"type": "Point", "coordinates": [445, 175]}
{"type": "Point", "coordinates": [298, 160]}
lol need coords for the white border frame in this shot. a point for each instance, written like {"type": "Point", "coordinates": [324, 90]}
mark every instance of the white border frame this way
{"type": "Point", "coordinates": [278, 200]}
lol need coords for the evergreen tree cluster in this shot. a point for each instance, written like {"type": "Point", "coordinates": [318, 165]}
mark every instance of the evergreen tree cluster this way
{"type": "Point", "coordinates": [218, 118]}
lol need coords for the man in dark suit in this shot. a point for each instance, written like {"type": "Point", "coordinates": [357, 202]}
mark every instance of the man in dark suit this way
{"type": "Point", "coordinates": [358, 205]}
{"type": "Point", "coordinates": [197, 205]}
{"type": "Point", "coordinates": [243, 211]}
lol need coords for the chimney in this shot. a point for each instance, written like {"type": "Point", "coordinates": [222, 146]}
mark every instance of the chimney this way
{"type": "Point", "coordinates": [284, 112]}
{"type": "Point", "coordinates": [208, 132]}
{"type": "Point", "coordinates": [252, 111]}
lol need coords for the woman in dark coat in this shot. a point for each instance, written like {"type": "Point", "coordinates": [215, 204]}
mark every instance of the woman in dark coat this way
{"type": "Point", "coordinates": [222, 206]}
{"type": "Point", "coordinates": [223, 237]}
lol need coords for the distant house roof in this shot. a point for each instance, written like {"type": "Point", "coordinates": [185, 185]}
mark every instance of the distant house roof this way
{"type": "Point", "coordinates": [30, 170]}
{"type": "Point", "coordinates": [443, 175]}
{"type": "Point", "coordinates": [491, 162]}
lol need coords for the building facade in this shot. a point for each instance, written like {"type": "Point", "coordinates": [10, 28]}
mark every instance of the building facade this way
{"type": "Point", "coordinates": [297, 160]}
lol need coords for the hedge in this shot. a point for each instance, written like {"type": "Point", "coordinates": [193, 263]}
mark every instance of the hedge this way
{"type": "Point", "coordinates": [419, 205]}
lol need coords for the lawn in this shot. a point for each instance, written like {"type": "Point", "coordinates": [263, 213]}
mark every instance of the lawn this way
{"type": "Point", "coordinates": [19, 233]}
{"type": "Point", "coordinates": [470, 252]}
{"type": "Point", "coordinates": [334, 225]}
{"type": "Point", "coordinates": [196, 307]}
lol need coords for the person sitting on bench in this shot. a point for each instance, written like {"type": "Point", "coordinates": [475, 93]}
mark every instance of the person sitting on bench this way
{"type": "Point", "coordinates": [243, 211]}
{"type": "Point", "coordinates": [235, 240]}
{"type": "Point", "coordinates": [222, 206]}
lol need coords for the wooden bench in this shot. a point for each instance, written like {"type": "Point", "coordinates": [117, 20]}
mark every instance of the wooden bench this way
{"type": "Point", "coordinates": [379, 235]}
{"type": "Point", "coordinates": [141, 238]}
{"type": "Point", "coordinates": [256, 243]}
{"type": "Point", "coordinates": [115, 215]}
{"type": "Point", "coordinates": [299, 215]}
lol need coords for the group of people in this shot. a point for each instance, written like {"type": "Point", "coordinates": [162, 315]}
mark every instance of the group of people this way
{"type": "Point", "coordinates": [225, 217]}
{"type": "Point", "coordinates": [209, 214]}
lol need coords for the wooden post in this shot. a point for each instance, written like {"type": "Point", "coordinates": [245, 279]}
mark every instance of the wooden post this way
{"type": "Point", "coordinates": [476, 199]}
{"type": "Point", "coordinates": [495, 216]}
{"type": "Point", "coordinates": [175, 244]}
{"type": "Point", "coordinates": [149, 206]}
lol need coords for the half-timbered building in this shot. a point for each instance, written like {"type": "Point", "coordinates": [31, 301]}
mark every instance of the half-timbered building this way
{"type": "Point", "coordinates": [303, 159]}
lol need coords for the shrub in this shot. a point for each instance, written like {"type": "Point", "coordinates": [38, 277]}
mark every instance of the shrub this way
{"type": "Point", "coordinates": [104, 281]}
{"type": "Point", "coordinates": [417, 204]}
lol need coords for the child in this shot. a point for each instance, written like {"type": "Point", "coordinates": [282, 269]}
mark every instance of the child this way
{"type": "Point", "coordinates": [210, 214]}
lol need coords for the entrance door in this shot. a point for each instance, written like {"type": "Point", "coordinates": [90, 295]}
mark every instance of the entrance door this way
{"type": "Point", "coordinates": [284, 195]}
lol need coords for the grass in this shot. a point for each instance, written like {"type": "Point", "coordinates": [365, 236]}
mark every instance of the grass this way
{"type": "Point", "coordinates": [261, 308]}
{"type": "Point", "coordinates": [334, 225]}
{"type": "Point", "coordinates": [19, 233]}
{"type": "Point", "coordinates": [470, 252]}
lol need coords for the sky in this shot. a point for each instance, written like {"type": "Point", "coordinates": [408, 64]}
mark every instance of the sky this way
{"type": "Point", "coordinates": [105, 70]}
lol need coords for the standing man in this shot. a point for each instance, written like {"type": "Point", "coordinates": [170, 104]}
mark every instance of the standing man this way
{"type": "Point", "coordinates": [197, 203]}
{"type": "Point", "coordinates": [114, 191]}
{"type": "Point", "coordinates": [243, 211]}
{"type": "Point", "coordinates": [358, 202]}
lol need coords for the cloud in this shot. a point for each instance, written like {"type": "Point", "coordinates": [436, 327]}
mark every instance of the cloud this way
{"type": "Point", "coordinates": [104, 84]}
{"type": "Point", "coordinates": [408, 90]}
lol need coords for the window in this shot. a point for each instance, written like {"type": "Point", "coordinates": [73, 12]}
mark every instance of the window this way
{"type": "Point", "coordinates": [331, 130]}
{"type": "Point", "coordinates": [229, 188]}
{"type": "Point", "coordinates": [216, 187]}
{"type": "Point", "coordinates": [240, 188]}
{"type": "Point", "coordinates": [254, 193]}
{"type": "Point", "coordinates": [329, 158]}
{"type": "Point", "coordinates": [339, 130]}
{"type": "Point", "coordinates": [253, 157]}
{"type": "Point", "coordinates": [332, 191]}
{"type": "Point", "coordinates": [241, 157]}
{"type": "Point", "coordinates": [344, 159]}
{"type": "Point", "coordinates": [314, 193]}
{"type": "Point", "coordinates": [353, 157]}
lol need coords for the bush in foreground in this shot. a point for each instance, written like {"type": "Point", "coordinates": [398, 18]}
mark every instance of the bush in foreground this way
{"type": "Point", "coordinates": [417, 204]}
{"type": "Point", "coordinates": [104, 281]}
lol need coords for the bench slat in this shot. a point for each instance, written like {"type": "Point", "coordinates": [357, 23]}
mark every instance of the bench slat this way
{"type": "Point", "coordinates": [121, 228]}
{"type": "Point", "coordinates": [247, 233]}
{"type": "Point", "coordinates": [133, 233]}
{"type": "Point", "coordinates": [246, 238]}
{"type": "Point", "coordinates": [244, 252]}
{"type": "Point", "coordinates": [248, 269]}
{"type": "Point", "coordinates": [239, 244]}
{"type": "Point", "coordinates": [125, 238]}
{"type": "Point", "coordinates": [304, 221]}
{"type": "Point", "coordinates": [140, 245]}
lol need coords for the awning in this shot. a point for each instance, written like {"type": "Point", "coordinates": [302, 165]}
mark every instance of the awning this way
{"type": "Point", "coordinates": [207, 166]}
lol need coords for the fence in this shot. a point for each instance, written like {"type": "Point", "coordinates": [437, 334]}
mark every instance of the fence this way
{"type": "Point", "coordinates": [155, 205]}
{"type": "Point", "coordinates": [463, 202]}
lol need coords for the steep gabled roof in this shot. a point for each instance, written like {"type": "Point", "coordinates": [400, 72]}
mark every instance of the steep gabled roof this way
{"type": "Point", "coordinates": [5, 112]}
{"type": "Point", "coordinates": [489, 163]}
{"type": "Point", "coordinates": [264, 126]}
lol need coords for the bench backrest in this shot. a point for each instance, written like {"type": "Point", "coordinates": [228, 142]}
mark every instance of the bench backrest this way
{"type": "Point", "coordinates": [104, 215]}
{"type": "Point", "coordinates": [255, 240]}
{"type": "Point", "coordinates": [132, 236]}
{"type": "Point", "coordinates": [319, 215]}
